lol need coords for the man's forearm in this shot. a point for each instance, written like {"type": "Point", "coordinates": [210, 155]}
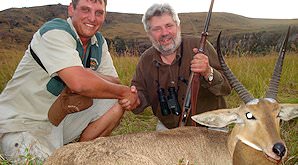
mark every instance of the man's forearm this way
{"type": "Point", "coordinates": [111, 79]}
{"type": "Point", "coordinates": [88, 83]}
{"type": "Point", "coordinates": [102, 88]}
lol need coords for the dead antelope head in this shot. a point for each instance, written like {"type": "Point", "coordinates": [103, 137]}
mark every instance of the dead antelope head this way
{"type": "Point", "coordinates": [258, 120]}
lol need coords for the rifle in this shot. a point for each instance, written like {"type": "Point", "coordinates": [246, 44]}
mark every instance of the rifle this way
{"type": "Point", "coordinates": [193, 86]}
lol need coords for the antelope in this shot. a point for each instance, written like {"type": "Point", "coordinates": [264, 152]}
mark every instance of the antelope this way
{"type": "Point", "coordinates": [255, 138]}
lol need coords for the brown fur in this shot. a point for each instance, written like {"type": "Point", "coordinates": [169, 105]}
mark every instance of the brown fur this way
{"type": "Point", "coordinates": [168, 147]}
{"type": "Point", "coordinates": [241, 156]}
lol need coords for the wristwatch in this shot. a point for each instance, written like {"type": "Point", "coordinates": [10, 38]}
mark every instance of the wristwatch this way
{"type": "Point", "coordinates": [210, 76]}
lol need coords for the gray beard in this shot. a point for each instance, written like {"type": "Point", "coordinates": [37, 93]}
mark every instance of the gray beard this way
{"type": "Point", "coordinates": [167, 51]}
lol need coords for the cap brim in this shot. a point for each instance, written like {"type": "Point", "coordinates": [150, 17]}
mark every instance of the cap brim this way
{"type": "Point", "coordinates": [67, 103]}
{"type": "Point", "coordinates": [56, 113]}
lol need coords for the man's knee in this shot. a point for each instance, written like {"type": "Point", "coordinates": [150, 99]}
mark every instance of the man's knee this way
{"type": "Point", "coordinates": [104, 124]}
{"type": "Point", "coordinates": [76, 123]}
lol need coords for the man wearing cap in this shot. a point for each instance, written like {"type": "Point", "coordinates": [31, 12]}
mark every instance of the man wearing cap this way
{"type": "Point", "coordinates": [64, 88]}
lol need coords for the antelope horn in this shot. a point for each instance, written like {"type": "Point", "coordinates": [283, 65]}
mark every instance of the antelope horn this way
{"type": "Point", "coordinates": [234, 82]}
{"type": "Point", "coordinates": [274, 82]}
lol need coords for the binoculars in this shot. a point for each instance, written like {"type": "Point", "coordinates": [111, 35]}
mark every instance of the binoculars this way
{"type": "Point", "coordinates": [168, 104]}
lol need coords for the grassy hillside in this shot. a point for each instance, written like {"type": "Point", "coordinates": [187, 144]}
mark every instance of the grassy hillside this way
{"type": "Point", "coordinates": [18, 25]}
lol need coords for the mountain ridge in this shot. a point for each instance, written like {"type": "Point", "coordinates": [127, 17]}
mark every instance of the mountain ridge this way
{"type": "Point", "coordinates": [125, 30]}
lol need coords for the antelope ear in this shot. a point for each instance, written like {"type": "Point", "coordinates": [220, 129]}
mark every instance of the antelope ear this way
{"type": "Point", "coordinates": [218, 118]}
{"type": "Point", "coordinates": [288, 111]}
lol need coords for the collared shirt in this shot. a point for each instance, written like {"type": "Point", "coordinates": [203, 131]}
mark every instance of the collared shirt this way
{"type": "Point", "coordinates": [25, 101]}
{"type": "Point", "coordinates": [151, 71]}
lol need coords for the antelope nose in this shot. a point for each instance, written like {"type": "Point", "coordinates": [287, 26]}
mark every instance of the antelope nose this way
{"type": "Point", "coordinates": [279, 149]}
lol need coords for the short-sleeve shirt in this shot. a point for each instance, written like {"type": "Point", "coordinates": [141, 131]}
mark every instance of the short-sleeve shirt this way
{"type": "Point", "coordinates": [25, 101]}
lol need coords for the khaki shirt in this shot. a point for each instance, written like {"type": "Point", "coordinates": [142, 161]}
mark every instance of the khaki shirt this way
{"type": "Point", "coordinates": [25, 101]}
{"type": "Point", "coordinates": [151, 70]}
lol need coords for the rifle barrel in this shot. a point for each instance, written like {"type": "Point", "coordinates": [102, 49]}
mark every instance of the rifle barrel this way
{"type": "Point", "coordinates": [208, 18]}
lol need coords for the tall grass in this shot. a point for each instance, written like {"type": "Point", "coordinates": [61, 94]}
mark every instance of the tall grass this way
{"type": "Point", "coordinates": [254, 72]}
{"type": "Point", "coordinates": [131, 123]}
{"type": "Point", "coordinates": [8, 63]}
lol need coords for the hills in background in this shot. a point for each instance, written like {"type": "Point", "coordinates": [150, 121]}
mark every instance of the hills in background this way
{"type": "Point", "coordinates": [240, 35]}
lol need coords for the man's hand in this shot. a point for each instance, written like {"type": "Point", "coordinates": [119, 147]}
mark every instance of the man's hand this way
{"type": "Point", "coordinates": [200, 64]}
{"type": "Point", "coordinates": [131, 101]}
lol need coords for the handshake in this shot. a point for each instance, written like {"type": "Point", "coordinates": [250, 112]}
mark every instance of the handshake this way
{"type": "Point", "coordinates": [69, 102]}
{"type": "Point", "coordinates": [131, 99]}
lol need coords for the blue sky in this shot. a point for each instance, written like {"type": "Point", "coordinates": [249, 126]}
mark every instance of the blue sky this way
{"type": "Point", "coordinates": [280, 9]}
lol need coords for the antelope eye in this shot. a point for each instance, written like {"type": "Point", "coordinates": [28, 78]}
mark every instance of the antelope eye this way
{"type": "Point", "coordinates": [250, 116]}
{"type": "Point", "coordinates": [279, 114]}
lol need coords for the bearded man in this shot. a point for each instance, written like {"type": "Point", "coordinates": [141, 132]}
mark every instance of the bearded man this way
{"type": "Point", "coordinates": [163, 70]}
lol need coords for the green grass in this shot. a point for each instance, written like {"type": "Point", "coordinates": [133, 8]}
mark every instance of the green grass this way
{"type": "Point", "coordinates": [253, 72]}
{"type": "Point", "coordinates": [8, 63]}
